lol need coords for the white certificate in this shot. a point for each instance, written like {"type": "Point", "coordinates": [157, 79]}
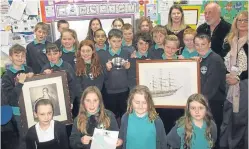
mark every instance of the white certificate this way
{"type": "Point", "coordinates": [190, 16]}
{"type": "Point", "coordinates": [104, 139]}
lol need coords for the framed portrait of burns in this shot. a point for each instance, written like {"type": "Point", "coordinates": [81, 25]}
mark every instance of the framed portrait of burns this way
{"type": "Point", "coordinates": [52, 86]}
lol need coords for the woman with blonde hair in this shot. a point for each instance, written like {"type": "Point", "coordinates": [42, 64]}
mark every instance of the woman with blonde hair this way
{"type": "Point", "coordinates": [234, 129]}
{"type": "Point", "coordinates": [141, 127]}
{"type": "Point", "coordinates": [92, 114]}
{"type": "Point", "coordinates": [196, 129]}
{"type": "Point", "coordinates": [176, 24]}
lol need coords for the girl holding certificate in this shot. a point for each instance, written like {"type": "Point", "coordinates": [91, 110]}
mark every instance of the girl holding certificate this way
{"type": "Point", "coordinates": [92, 114]}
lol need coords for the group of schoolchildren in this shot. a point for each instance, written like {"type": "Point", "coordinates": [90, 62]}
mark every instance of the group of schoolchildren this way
{"type": "Point", "coordinates": [96, 85]}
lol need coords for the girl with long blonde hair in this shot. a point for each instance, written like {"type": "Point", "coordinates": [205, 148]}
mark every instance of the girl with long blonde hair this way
{"type": "Point", "coordinates": [141, 127]}
{"type": "Point", "coordinates": [92, 114]}
{"type": "Point", "coordinates": [196, 129]}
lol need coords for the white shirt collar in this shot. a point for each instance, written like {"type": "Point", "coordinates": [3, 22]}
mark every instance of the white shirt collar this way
{"type": "Point", "coordinates": [45, 135]}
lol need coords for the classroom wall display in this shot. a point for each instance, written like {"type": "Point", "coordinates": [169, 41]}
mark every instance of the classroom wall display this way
{"type": "Point", "coordinates": [83, 9]}
{"type": "Point", "coordinates": [17, 22]}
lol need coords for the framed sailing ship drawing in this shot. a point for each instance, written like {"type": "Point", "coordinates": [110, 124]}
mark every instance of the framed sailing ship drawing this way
{"type": "Point", "coordinates": [171, 82]}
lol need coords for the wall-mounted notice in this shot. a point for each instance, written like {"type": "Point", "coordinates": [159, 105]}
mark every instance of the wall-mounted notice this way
{"type": "Point", "coordinates": [81, 9]}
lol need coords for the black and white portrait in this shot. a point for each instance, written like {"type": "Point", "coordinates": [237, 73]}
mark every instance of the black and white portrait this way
{"type": "Point", "coordinates": [46, 92]}
{"type": "Point", "coordinates": [53, 87]}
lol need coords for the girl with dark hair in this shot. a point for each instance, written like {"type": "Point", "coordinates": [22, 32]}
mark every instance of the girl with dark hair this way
{"type": "Point", "coordinates": [196, 129]}
{"type": "Point", "coordinates": [47, 133]}
{"type": "Point", "coordinates": [94, 25]}
{"type": "Point", "coordinates": [118, 23]}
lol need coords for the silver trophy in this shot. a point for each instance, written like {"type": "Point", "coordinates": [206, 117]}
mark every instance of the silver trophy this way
{"type": "Point", "coordinates": [118, 62]}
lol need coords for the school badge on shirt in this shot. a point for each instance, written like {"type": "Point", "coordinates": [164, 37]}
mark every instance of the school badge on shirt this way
{"type": "Point", "coordinates": [44, 51]}
{"type": "Point", "coordinates": [204, 70]}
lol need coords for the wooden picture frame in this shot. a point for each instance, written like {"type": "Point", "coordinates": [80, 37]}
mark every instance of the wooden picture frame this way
{"type": "Point", "coordinates": [171, 82]}
{"type": "Point", "coordinates": [52, 86]}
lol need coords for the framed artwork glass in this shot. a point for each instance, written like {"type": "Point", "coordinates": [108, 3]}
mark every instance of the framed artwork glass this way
{"type": "Point", "coordinates": [171, 82]}
{"type": "Point", "coordinates": [51, 86]}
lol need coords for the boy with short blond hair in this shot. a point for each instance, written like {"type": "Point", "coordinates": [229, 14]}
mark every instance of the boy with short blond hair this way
{"type": "Point", "coordinates": [127, 42]}
{"type": "Point", "coordinates": [189, 50]}
{"type": "Point", "coordinates": [36, 52]}
{"type": "Point", "coordinates": [170, 47]}
{"type": "Point", "coordinates": [12, 83]}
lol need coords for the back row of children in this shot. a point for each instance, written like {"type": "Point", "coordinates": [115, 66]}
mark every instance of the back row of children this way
{"type": "Point", "coordinates": [90, 62]}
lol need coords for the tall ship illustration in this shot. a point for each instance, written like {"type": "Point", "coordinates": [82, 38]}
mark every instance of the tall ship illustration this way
{"type": "Point", "coordinates": [162, 85]}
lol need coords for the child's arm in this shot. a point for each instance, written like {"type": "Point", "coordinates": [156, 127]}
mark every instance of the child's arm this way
{"type": "Point", "coordinates": [214, 131]}
{"type": "Point", "coordinates": [45, 69]}
{"type": "Point", "coordinates": [216, 73]}
{"type": "Point", "coordinates": [28, 59]}
{"type": "Point", "coordinates": [173, 139]}
{"type": "Point", "coordinates": [113, 124]}
{"type": "Point", "coordinates": [64, 144]}
{"type": "Point", "coordinates": [75, 137]}
{"type": "Point", "coordinates": [30, 143]}
{"type": "Point", "coordinates": [13, 91]}
{"type": "Point", "coordinates": [162, 135]}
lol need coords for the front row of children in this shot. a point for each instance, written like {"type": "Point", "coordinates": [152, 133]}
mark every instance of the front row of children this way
{"type": "Point", "coordinates": [141, 127]}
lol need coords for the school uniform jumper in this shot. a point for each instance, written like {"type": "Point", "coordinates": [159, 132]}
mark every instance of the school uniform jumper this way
{"type": "Point", "coordinates": [129, 48]}
{"type": "Point", "coordinates": [71, 78]}
{"type": "Point", "coordinates": [12, 90]}
{"type": "Point", "coordinates": [36, 55]}
{"type": "Point", "coordinates": [155, 51]}
{"type": "Point", "coordinates": [58, 43]}
{"type": "Point", "coordinates": [213, 84]}
{"type": "Point", "coordinates": [86, 80]}
{"type": "Point", "coordinates": [132, 71]}
{"type": "Point", "coordinates": [60, 140]}
{"type": "Point", "coordinates": [187, 55]}
{"type": "Point", "coordinates": [76, 135]}
{"type": "Point", "coordinates": [69, 56]}
{"type": "Point", "coordinates": [158, 131]}
{"type": "Point", "coordinates": [116, 82]}
{"type": "Point", "coordinates": [102, 54]}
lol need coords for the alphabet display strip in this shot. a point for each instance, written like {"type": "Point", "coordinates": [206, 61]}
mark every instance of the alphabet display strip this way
{"type": "Point", "coordinates": [81, 10]}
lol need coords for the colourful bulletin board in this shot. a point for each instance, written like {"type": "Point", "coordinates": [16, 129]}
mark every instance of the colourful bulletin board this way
{"type": "Point", "coordinates": [229, 9]}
